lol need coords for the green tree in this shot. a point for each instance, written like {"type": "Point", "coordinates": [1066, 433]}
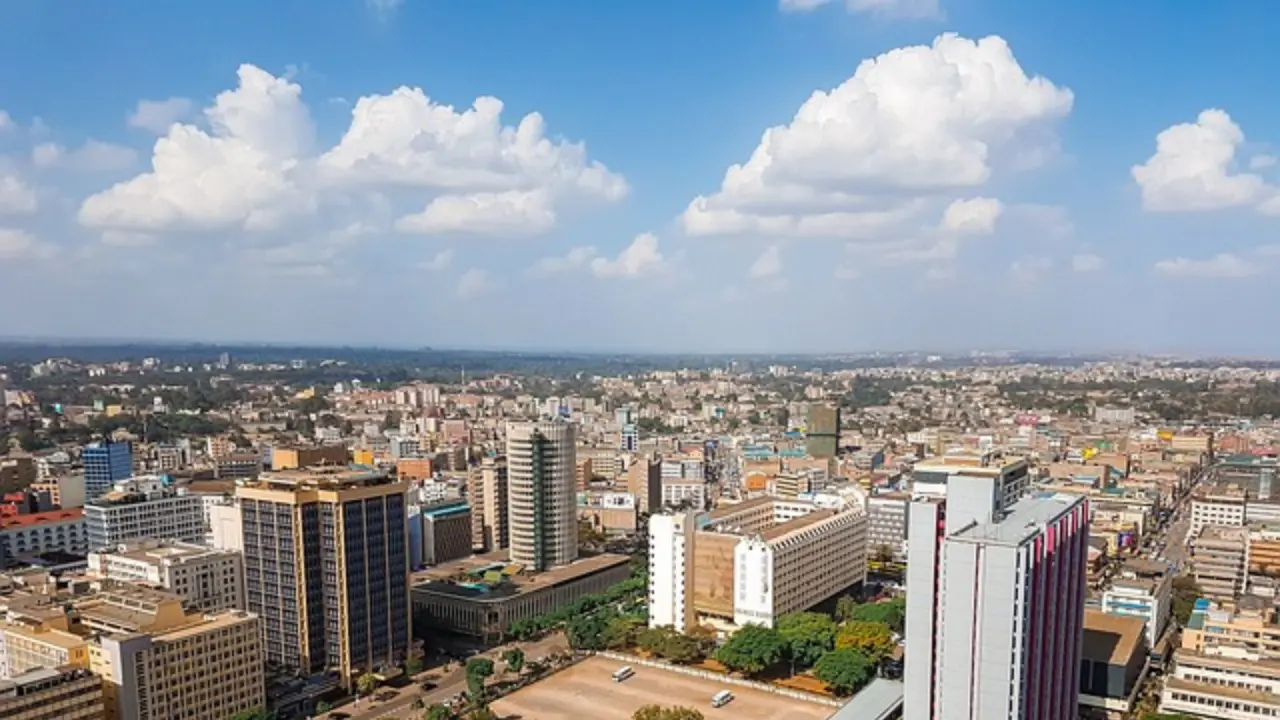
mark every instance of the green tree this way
{"type": "Point", "coordinates": [514, 659]}
{"type": "Point", "coordinates": [844, 670]}
{"type": "Point", "coordinates": [436, 712]}
{"type": "Point", "coordinates": [478, 670]}
{"type": "Point", "coordinates": [657, 712]}
{"type": "Point", "coordinates": [255, 714]}
{"type": "Point", "coordinates": [808, 635]}
{"type": "Point", "coordinates": [619, 633]}
{"type": "Point", "coordinates": [873, 639]}
{"type": "Point", "coordinates": [366, 684]}
{"type": "Point", "coordinates": [845, 608]}
{"type": "Point", "coordinates": [413, 666]}
{"type": "Point", "coordinates": [323, 707]}
{"type": "Point", "coordinates": [752, 649]}
{"type": "Point", "coordinates": [585, 631]}
{"type": "Point", "coordinates": [1185, 594]}
{"type": "Point", "coordinates": [890, 612]}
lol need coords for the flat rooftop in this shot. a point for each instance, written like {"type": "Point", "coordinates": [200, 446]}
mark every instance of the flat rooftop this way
{"type": "Point", "coordinates": [587, 690]}
{"type": "Point", "coordinates": [790, 526]}
{"type": "Point", "coordinates": [443, 578]}
{"type": "Point", "coordinates": [1023, 521]}
{"type": "Point", "coordinates": [1111, 639]}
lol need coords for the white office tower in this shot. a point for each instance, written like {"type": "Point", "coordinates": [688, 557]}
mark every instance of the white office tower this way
{"type": "Point", "coordinates": [541, 493]}
{"type": "Point", "coordinates": [995, 605]}
{"type": "Point", "coordinates": [671, 540]}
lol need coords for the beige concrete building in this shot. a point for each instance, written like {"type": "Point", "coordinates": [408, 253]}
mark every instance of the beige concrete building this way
{"type": "Point", "coordinates": [542, 518]}
{"type": "Point", "coordinates": [296, 458]}
{"type": "Point", "coordinates": [207, 667]}
{"type": "Point", "coordinates": [52, 694]}
{"type": "Point", "coordinates": [1220, 561]}
{"type": "Point", "coordinates": [754, 561]}
{"type": "Point", "coordinates": [29, 643]}
{"type": "Point", "coordinates": [205, 578]}
{"type": "Point", "coordinates": [487, 493]}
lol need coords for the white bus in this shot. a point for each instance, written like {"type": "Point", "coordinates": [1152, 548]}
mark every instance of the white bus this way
{"type": "Point", "coordinates": [722, 698]}
{"type": "Point", "coordinates": [623, 673]}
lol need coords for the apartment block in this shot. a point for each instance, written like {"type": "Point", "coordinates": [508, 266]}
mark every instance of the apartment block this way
{"type": "Point", "coordinates": [887, 523]}
{"type": "Point", "coordinates": [1214, 686]}
{"type": "Point", "coordinates": [36, 533]}
{"type": "Point", "coordinates": [207, 667]}
{"type": "Point", "coordinates": [1222, 506]}
{"type": "Point", "coordinates": [206, 579]}
{"type": "Point", "coordinates": [932, 477]}
{"type": "Point", "coordinates": [327, 567]}
{"type": "Point", "coordinates": [754, 561]}
{"type": "Point", "coordinates": [65, 693]}
{"type": "Point", "coordinates": [487, 493]}
{"type": "Point", "coordinates": [1220, 561]}
{"type": "Point", "coordinates": [143, 507]}
{"type": "Point", "coordinates": [1142, 590]}
{"type": "Point", "coordinates": [995, 604]}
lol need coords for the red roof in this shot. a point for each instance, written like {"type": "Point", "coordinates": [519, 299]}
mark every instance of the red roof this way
{"type": "Point", "coordinates": [41, 517]}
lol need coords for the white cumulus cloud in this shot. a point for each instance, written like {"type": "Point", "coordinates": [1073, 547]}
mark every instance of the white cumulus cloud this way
{"type": "Point", "coordinates": [1222, 265]}
{"type": "Point", "coordinates": [474, 282]}
{"type": "Point", "coordinates": [576, 259]}
{"type": "Point", "coordinates": [908, 129]}
{"type": "Point", "coordinates": [768, 264]}
{"type": "Point", "coordinates": [249, 162]}
{"type": "Point", "coordinates": [972, 217]}
{"type": "Point", "coordinates": [440, 261]}
{"type": "Point", "coordinates": [6, 122]}
{"type": "Point", "coordinates": [16, 244]}
{"type": "Point", "coordinates": [16, 197]}
{"type": "Point", "coordinates": [1194, 169]}
{"type": "Point", "coordinates": [159, 115]}
{"type": "Point", "coordinates": [641, 258]}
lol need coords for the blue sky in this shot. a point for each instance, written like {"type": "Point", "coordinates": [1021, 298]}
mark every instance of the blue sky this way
{"type": "Point", "coordinates": [990, 178]}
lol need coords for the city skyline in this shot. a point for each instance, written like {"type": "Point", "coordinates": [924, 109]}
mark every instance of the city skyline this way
{"type": "Point", "coordinates": [945, 174]}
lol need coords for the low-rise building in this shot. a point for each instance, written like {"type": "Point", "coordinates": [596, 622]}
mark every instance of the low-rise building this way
{"type": "Point", "coordinates": [207, 579]}
{"type": "Point", "coordinates": [1142, 590]}
{"type": "Point", "coordinates": [144, 507]}
{"type": "Point", "coordinates": [1113, 661]}
{"type": "Point", "coordinates": [446, 532]}
{"type": "Point", "coordinates": [38, 533]}
{"type": "Point", "coordinates": [1220, 561]}
{"type": "Point", "coordinates": [1213, 686]}
{"type": "Point", "coordinates": [65, 693]}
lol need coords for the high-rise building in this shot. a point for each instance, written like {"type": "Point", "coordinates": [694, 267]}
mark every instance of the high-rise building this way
{"type": "Point", "coordinates": [487, 493]}
{"type": "Point", "coordinates": [105, 464]}
{"type": "Point", "coordinates": [629, 434]}
{"type": "Point", "coordinates": [995, 605]}
{"type": "Point", "coordinates": [144, 507]}
{"type": "Point", "coordinates": [327, 567]}
{"type": "Point", "coordinates": [542, 519]}
{"type": "Point", "coordinates": [822, 434]}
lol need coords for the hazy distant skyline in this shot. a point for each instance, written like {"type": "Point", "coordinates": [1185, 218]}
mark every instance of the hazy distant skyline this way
{"type": "Point", "coordinates": [664, 176]}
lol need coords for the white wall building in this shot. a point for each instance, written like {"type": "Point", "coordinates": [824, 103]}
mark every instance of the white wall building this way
{"type": "Point", "coordinates": [1149, 598]}
{"type": "Point", "coordinates": [144, 508]}
{"type": "Point", "coordinates": [671, 570]}
{"type": "Point", "coordinates": [207, 579]}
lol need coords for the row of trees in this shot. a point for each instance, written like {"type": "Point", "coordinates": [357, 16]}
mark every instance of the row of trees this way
{"type": "Point", "coordinates": [628, 594]}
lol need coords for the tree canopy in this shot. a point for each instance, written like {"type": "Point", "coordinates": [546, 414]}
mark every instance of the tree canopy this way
{"type": "Point", "coordinates": [752, 649]}
{"type": "Point", "coordinates": [808, 635]}
{"type": "Point", "coordinates": [844, 670]}
{"type": "Point", "coordinates": [873, 639]}
{"type": "Point", "coordinates": [657, 712]}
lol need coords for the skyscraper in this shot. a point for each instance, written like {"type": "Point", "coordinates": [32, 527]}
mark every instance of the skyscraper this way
{"type": "Point", "coordinates": [542, 516]}
{"type": "Point", "coordinates": [822, 433]}
{"type": "Point", "coordinates": [327, 568]}
{"type": "Point", "coordinates": [105, 463]}
{"type": "Point", "coordinates": [629, 439]}
{"type": "Point", "coordinates": [995, 605]}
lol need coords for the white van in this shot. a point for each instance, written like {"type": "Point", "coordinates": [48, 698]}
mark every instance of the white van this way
{"type": "Point", "coordinates": [722, 698]}
{"type": "Point", "coordinates": [623, 673]}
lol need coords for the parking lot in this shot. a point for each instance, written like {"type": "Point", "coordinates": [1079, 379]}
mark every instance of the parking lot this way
{"type": "Point", "coordinates": [587, 690]}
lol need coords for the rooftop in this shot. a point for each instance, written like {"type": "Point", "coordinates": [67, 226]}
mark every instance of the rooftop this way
{"type": "Point", "coordinates": [1024, 520]}
{"type": "Point", "coordinates": [783, 529]}
{"type": "Point", "coordinates": [442, 578]}
{"type": "Point", "coordinates": [1111, 639]}
{"type": "Point", "coordinates": [40, 518]}
{"type": "Point", "coordinates": [318, 478]}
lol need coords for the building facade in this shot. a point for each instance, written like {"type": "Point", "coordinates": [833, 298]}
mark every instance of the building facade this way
{"type": "Point", "coordinates": [542, 520]}
{"type": "Point", "coordinates": [105, 464]}
{"type": "Point", "coordinates": [207, 579]}
{"type": "Point", "coordinates": [143, 507]}
{"type": "Point", "coordinates": [65, 693]}
{"type": "Point", "coordinates": [995, 605]}
{"type": "Point", "coordinates": [327, 567]}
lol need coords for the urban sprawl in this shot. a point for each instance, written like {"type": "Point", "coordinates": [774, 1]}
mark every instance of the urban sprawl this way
{"type": "Point", "coordinates": [200, 534]}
